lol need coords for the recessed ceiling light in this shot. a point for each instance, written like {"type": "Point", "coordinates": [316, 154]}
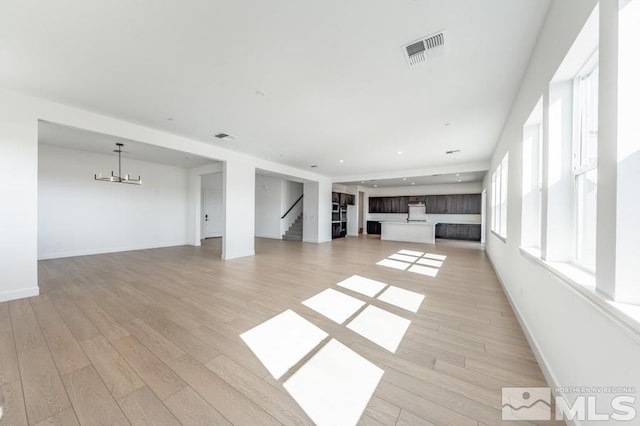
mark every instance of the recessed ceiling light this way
{"type": "Point", "coordinates": [399, 152]}
{"type": "Point", "coordinates": [375, 186]}
{"type": "Point", "coordinates": [361, 181]}
{"type": "Point", "coordinates": [459, 180]}
{"type": "Point", "coordinates": [457, 174]}
{"type": "Point", "coordinates": [413, 183]}
{"type": "Point", "coordinates": [260, 93]}
{"type": "Point", "coordinates": [342, 161]}
{"type": "Point", "coordinates": [404, 178]}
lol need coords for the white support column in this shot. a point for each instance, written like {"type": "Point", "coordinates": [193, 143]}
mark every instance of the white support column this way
{"type": "Point", "coordinates": [194, 210]}
{"type": "Point", "coordinates": [239, 207]}
{"type": "Point", "coordinates": [19, 195]}
{"type": "Point", "coordinates": [627, 260]}
{"type": "Point", "coordinates": [317, 212]}
{"type": "Point", "coordinates": [607, 149]}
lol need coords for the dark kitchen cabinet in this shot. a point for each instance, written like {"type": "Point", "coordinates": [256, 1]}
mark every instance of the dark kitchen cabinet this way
{"type": "Point", "coordinates": [435, 204]}
{"type": "Point", "coordinates": [374, 227]}
{"type": "Point", "coordinates": [458, 231]}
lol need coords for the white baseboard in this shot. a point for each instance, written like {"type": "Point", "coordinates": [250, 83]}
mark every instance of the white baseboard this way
{"type": "Point", "coordinates": [19, 294]}
{"type": "Point", "coordinates": [89, 252]}
{"type": "Point", "coordinates": [547, 371]}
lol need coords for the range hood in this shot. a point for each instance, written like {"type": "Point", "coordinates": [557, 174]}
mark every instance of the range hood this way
{"type": "Point", "coordinates": [417, 212]}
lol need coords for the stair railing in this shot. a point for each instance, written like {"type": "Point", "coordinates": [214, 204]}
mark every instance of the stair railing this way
{"type": "Point", "coordinates": [291, 208]}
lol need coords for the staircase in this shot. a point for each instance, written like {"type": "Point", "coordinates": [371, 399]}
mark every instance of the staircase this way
{"type": "Point", "coordinates": [294, 233]}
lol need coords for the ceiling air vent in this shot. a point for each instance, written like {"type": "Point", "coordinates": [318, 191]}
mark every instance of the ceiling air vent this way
{"type": "Point", "coordinates": [225, 136]}
{"type": "Point", "coordinates": [425, 49]}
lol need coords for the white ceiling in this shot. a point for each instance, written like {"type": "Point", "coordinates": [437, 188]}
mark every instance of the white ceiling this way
{"type": "Point", "coordinates": [84, 140]}
{"type": "Point", "coordinates": [421, 180]}
{"type": "Point", "coordinates": [336, 84]}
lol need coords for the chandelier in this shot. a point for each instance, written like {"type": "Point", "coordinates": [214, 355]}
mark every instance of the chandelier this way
{"type": "Point", "coordinates": [119, 178]}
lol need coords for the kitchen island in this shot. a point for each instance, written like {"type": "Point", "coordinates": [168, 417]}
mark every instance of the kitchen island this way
{"type": "Point", "coordinates": [412, 232]}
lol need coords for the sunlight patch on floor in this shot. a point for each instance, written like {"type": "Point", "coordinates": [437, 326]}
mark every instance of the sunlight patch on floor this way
{"type": "Point", "coordinates": [336, 306]}
{"type": "Point", "coordinates": [411, 253]}
{"type": "Point", "coordinates": [381, 327]}
{"type": "Point", "coordinates": [282, 341]}
{"type": "Point", "coordinates": [335, 385]}
{"type": "Point", "coordinates": [402, 298]}
{"type": "Point", "coordinates": [395, 264]}
{"type": "Point", "coordinates": [403, 257]}
{"type": "Point", "coordinates": [362, 285]}
{"type": "Point", "coordinates": [414, 261]}
{"type": "Point", "coordinates": [424, 270]}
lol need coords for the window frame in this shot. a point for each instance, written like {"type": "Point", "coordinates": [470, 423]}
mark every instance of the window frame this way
{"type": "Point", "coordinates": [578, 167]}
{"type": "Point", "coordinates": [499, 196]}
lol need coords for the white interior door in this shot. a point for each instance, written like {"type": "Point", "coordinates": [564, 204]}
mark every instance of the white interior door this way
{"type": "Point", "coordinates": [213, 218]}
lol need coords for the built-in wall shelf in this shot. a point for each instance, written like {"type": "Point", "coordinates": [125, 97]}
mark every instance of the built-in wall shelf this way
{"type": "Point", "coordinates": [339, 202]}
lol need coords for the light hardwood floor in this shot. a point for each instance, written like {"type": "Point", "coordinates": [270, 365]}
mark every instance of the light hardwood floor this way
{"type": "Point", "coordinates": [152, 337]}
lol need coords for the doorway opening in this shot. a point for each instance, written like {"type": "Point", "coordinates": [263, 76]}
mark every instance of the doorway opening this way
{"type": "Point", "coordinates": [212, 214]}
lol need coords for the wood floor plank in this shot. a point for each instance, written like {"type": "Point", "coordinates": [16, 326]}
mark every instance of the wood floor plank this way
{"type": "Point", "coordinates": [91, 400]}
{"type": "Point", "coordinates": [191, 409]}
{"type": "Point", "coordinates": [9, 370]}
{"type": "Point", "coordinates": [65, 418]}
{"type": "Point", "coordinates": [117, 374]}
{"type": "Point", "coordinates": [73, 317]}
{"type": "Point", "coordinates": [64, 348]}
{"type": "Point", "coordinates": [143, 407]}
{"type": "Point", "coordinates": [108, 326]}
{"type": "Point", "coordinates": [422, 407]}
{"type": "Point", "coordinates": [271, 398]}
{"type": "Point", "coordinates": [44, 394]}
{"type": "Point", "coordinates": [181, 338]}
{"type": "Point", "coordinates": [162, 347]}
{"type": "Point", "coordinates": [222, 396]}
{"type": "Point", "coordinates": [12, 402]}
{"type": "Point", "coordinates": [157, 376]}
{"type": "Point", "coordinates": [382, 411]}
{"type": "Point", "coordinates": [408, 419]}
{"type": "Point", "coordinates": [26, 331]}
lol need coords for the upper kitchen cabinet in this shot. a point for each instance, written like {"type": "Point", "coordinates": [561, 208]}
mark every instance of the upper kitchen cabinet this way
{"type": "Point", "coordinates": [435, 204]}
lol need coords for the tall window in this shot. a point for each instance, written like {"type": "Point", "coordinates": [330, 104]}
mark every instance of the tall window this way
{"type": "Point", "coordinates": [499, 198]}
{"type": "Point", "coordinates": [585, 172]}
{"type": "Point", "coordinates": [532, 179]}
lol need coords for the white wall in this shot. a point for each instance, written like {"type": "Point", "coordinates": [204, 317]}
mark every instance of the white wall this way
{"type": "Point", "coordinates": [78, 215]}
{"type": "Point", "coordinates": [577, 342]}
{"type": "Point", "coordinates": [268, 206]}
{"type": "Point", "coordinates": [19, 195]}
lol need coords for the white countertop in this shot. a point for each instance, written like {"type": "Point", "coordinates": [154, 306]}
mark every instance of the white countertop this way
{"type": "Point", "coordinates": [407, 223]}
